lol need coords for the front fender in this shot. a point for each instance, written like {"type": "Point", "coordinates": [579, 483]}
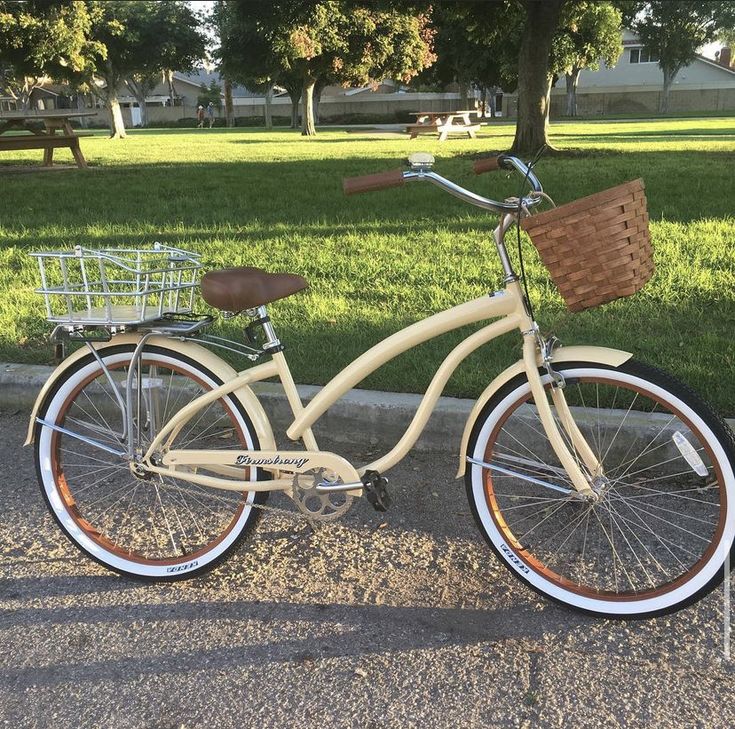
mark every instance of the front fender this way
{"type": "Point", "coordinates": [194, 351]}
{"type": "Point", "coordinates": [599, 355]}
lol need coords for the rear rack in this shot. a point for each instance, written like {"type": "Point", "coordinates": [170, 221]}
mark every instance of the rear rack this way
{"type": "Point", "coordinates": [117, 286]}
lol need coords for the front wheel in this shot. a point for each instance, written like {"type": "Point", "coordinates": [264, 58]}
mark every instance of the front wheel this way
{"type": "Point", "coordinates": [656, 539]}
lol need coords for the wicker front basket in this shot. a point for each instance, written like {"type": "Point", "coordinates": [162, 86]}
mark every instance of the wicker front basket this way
{"type": "Point", "coordinates": [597, 249]}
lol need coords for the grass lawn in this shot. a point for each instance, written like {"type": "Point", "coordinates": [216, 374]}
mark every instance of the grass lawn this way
{"type": "Point", "coordinates": [380, 261]}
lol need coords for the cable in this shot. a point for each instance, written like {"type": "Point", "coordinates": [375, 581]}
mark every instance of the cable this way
{"type": "Point", "coordinates": [537, 156]}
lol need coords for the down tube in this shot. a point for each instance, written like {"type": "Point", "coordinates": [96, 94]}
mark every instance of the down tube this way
{"type": "Point", "coordinates": [447, 367]}
{"type": "Point", "coordinates": [487, 307]}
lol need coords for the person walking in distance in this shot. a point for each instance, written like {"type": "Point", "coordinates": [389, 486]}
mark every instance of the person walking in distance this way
{"type": "Point", "coordinates": [200, 117]}
{"type": "Point", "coordinates": [210, 114]}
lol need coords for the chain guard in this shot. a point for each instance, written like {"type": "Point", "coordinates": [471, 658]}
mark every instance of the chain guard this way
{"type": "Point", "coordinates": [315, 505]}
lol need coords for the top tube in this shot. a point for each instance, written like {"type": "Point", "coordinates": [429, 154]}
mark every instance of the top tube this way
{"type": "Point", "coordinates": [472, 198]}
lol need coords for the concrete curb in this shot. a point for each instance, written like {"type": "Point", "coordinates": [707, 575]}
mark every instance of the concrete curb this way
{"type": "Point", "coordinates": [369, 417]}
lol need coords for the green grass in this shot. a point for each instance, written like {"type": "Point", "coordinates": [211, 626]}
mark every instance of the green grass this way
{"type": "Point", "coordinates": [381, 261]}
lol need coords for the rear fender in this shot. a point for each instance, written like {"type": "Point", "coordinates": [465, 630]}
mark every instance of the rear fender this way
{"type": "Point", "coordinates": [190, 349]}
{"type": "Point", "coordinates": [596, 355]}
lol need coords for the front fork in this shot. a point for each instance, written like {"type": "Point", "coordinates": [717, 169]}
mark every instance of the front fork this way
{"type": "Point", "coordinates": [583, 454]}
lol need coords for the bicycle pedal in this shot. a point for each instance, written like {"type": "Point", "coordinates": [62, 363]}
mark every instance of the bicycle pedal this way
{"type": "Point", "coordinates": [376, 491]}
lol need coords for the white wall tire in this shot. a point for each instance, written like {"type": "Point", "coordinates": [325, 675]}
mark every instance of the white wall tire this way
{"type": "Point", "coordinates": [630, 503]}
{"type": "Point", "coordinates": [68, 487]}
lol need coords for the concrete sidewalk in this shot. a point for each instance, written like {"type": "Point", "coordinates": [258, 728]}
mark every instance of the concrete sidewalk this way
{"type": "Point", "coordinates": [361, 417]}
{"type": "Point", "coordinates": [368, 417]}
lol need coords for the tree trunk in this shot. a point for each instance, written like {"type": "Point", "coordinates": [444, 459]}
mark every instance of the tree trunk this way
{"type": "Point", "coordinates": [229, 108]}
{"type": "Point", "coordinates": [483, 102]}
{"type": "Point", "coordinates": [492, 97]}
{"type": "Point", "coordinates": [572, 80]}
{"type": "Point", "coordinates": [321, 84]}
{"type": "Point", "coordinates": [295, 112]}
{"type": "Point", "coordinates": [24, 96]}
{"type": "Point", "coordinates": [82, 106]}
{"type": "Point", "coordinates": [307, 99]}
{"type": "Point", "coordinates": [269, 106]}
{"type": "Point", "coordinates": [294, 93]}
{"type": "Point", "coordinates": [117, 125]}
{"type": "Point", "coordinates": [463, 88]}
{"type": "Point", "coordinates": [532, 123]}
{"type": "Point", "coordinates": [170, 82]}
{"type": "Point", "coordinates": [669, 76]}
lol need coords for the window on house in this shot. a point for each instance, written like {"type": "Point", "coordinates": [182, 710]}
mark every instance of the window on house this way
{"type": "Point", "coordinates": [642, 55]}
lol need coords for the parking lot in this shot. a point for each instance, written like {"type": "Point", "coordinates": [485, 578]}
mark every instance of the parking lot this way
{"type": "Point", "coordinates": [403, 619]}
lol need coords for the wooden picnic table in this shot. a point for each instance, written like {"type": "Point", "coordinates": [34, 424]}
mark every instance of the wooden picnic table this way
{"type": "Point", "coordinates": [444, 123]}
{"type": "Point", "coordinates": [47, 138]}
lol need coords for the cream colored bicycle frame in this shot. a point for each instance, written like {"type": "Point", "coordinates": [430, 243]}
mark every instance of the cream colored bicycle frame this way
{"type": "Point", "coordinates": [506, 306]}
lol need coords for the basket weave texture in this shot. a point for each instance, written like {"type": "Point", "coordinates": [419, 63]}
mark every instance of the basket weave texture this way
{"type": "Point", "coordinates": [597, 249]}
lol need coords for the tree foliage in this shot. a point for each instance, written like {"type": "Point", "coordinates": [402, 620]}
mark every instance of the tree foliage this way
{"type": "Point", "coordinates": [342, 40]}
{"type": "Point", "coordinates": [44, 38]}
{"type": "Point", "coordinates": [726, 36]}
{"type": "Point", "coordinates": [590, 32]}
{"type": "Point", "coordinates": [143, 39]}
{"type": "Point", "coordinates": [211, 94]}
{"type": "Point", "coordinates": [475, 44]}
{"type": "Point", "coordinates": [674, 30]}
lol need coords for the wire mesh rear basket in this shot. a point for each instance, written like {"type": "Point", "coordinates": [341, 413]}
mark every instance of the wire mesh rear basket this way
{"type": "Point", "coordinates": [117, 286]}
{"type": "Point", "coordinates": [597, 249]}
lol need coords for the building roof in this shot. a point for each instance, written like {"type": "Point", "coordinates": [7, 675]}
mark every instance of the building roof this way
{"type": "Point", "coordinates": [201, 76]}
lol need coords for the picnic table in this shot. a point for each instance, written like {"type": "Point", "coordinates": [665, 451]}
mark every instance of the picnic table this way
{"type": "Point", "coordinates": [444, 123]}
{"type": "Point", "coordinates": [46, 138]}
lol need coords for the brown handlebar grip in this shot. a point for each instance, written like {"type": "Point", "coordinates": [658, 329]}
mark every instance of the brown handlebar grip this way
{"type": "Point", "coordinates": [489, 164]}
{"type": "Point", "coordinates": [369, 183]}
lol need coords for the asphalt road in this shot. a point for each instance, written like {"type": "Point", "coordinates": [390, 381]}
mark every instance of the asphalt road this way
{"type": "Point", "coordinates": [401, 620]}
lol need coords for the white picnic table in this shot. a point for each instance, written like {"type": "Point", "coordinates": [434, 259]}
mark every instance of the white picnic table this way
{"type": "Point", "coordinates": [445, 123]}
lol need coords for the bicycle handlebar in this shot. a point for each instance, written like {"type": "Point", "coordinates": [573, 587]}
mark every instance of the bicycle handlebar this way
{"type": "Point", "coordinates": [395, 178]}
{"type": "Point", "coordinates": [489, 164]}
{"type": "Point", "coordinates": [368, 183]}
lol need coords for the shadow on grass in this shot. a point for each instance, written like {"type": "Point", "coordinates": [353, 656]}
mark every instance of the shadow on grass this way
{"type": "Point", "coordinates": [695, 133]}
{"type": "Point", "coordinates": [309, 191]}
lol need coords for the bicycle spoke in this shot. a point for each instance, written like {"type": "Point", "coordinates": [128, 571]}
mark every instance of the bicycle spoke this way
{"type": "Point", "coordinates": [654, 517]}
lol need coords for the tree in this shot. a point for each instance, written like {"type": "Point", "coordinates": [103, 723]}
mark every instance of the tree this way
{"type": "Point", "coordinates": [534, 77]}
{"type": "Point", "coordinates": [590, 32]}
{"type": "Point", "coordinates": [350, 41]}
{"type": "Point", "coordinates": [726, 36]}
{"type": "Point", "coordinates": [41, 38]}
{"type": "Point", "coordinates": [475, 44]}
{"type": "Point", "coordinates": [143, 40]}
{"type": "Point", "coordinates": [245, 53]}
{"type": "Point", "coordinates": [229, 108]}
{"type": "Point", "coordinates": [211, 94]}
{"type": "Point", "coordinates": [675, 29]}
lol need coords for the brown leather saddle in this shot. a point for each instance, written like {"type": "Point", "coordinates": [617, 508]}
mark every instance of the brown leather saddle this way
{"type": "Point", "coordinates": [236, 289]}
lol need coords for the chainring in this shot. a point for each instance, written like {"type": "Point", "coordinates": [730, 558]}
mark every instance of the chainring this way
{"type": "Point", "coordinates": [319, 506]}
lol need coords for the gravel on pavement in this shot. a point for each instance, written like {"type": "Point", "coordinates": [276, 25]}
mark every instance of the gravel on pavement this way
{"type": "Point", "coordinates": [404, 619]}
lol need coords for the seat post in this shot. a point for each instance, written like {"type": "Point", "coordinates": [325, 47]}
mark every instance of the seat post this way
{"type": "Point", "coordinates": [274, 347]}
{"type": "Point", "coordinates": [272, 343]}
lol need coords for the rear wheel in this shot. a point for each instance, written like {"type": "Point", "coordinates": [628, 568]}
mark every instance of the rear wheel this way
{"type": "Point", "coordinates": [656, 539]}
{"type": "Point", "coordinates": [145, 526]}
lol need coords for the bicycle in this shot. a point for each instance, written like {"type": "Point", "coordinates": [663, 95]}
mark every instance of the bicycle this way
{"type": "Point", "coordinates": [600, 482]}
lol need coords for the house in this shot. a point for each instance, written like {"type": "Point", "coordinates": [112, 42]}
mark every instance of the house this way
{"type": "Point", "coordinates": [187, 87]}
{"type": "Point", "coordinates": [635, 84]}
